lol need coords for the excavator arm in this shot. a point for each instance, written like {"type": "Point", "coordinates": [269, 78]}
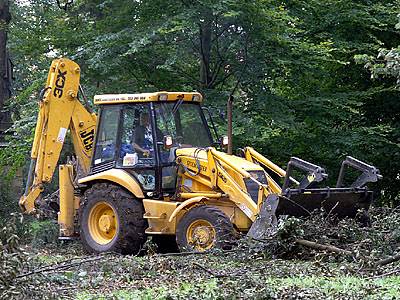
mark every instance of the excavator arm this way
{"type": "Point", "coordinates": [59, 111]}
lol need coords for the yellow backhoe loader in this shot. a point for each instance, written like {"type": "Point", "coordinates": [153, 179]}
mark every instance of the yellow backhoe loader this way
{"type": "Point", "coordinates": [148, 165]}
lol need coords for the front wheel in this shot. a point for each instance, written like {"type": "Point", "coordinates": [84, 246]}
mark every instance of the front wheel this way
{"type": "Point", "coordinates": [111, 219]}
{"type": "Point", "coordinates": [203, 228]}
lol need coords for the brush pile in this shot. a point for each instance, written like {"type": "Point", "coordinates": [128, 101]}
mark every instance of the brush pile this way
{"type": "Point", "coordinates": [289, 266]}
{"type": "Point", "coordinates": [343, 239]}
{"type": "Point", "coordinates": [12, 258]}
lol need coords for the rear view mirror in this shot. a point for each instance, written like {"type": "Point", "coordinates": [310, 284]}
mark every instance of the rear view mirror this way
{"type": "Point", "coordinates": [168, 142]}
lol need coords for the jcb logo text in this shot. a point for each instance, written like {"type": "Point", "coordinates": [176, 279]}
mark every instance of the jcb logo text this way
{"type": "Point", "coordinates": [60, 83]}
{"type": "Point", "coordinates": [87, 137]}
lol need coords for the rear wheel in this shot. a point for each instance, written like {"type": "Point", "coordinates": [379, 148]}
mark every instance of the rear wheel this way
{"type": "Point", "coordinates": [203, 228]}
{"type": "Point", "coordinates": [111, 219]}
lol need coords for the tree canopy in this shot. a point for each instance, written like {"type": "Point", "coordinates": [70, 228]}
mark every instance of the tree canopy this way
{"type": "Point", "coordinates": [313, 79]}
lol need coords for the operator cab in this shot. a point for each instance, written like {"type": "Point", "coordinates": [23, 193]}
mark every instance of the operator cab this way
{"type": "Point", "coordinates": [133, 130]}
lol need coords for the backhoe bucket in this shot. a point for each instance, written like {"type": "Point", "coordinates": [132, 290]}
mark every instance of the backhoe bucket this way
{"type": "Point", "coordinates": [305, 197]}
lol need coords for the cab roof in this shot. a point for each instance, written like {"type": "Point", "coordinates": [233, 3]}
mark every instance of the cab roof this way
{"type": "Point", "coordinates": [148, 97]}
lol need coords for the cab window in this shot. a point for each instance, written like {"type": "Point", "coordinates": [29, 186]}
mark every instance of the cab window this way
{"type": "Point", "coordinates": [183, 121]}
{"type": "Point", "coordinates": [107, 135]}
{"type": "Point", "coordinates": [137, 146]}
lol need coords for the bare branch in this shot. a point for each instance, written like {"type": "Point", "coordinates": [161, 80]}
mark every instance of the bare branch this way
{"type": "Point", "coordinates": [317, 246]}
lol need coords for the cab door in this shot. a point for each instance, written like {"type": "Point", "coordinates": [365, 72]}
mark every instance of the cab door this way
{"type": "Point", "coordinates": [136, 145]}
{"type": "Point", "coordinates": [185, 123]}
{"type": "Point", "coordinates": [106, 139]}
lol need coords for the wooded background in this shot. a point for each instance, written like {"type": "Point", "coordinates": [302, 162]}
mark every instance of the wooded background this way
{"type": "Point", "coordinates": [315, 79]}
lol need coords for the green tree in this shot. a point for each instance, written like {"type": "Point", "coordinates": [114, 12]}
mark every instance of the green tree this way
{"type": "Point", "coordinates": [336, 108]}
{"type": "Point", "coordinates": [299, 90]}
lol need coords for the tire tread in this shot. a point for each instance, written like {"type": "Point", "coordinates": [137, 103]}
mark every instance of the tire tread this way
{"type": "Point", "coordinates": [130, 211]}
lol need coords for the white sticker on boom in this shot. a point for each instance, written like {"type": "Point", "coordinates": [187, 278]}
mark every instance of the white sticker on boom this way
{"type": "Point", "coordinates": [61, 135]}
{"type": "Point", "coordinates": [246, 210]}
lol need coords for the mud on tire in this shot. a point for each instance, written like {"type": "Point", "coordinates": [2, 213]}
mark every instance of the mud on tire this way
{"type": "Point", "coordinates": [130, 232]}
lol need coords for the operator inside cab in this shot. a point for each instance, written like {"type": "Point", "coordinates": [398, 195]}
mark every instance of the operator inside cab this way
{"type": "Point", "coordinates": [143, 137]}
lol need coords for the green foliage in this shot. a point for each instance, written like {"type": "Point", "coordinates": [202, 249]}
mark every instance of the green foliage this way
{"type": "Point", "coordinates": [202, 290]}
{"type": "Point", "coordinates": [24, 109]}
{"type": "Point", "coordinates": [333, 110]}
{"type": "Point", "coordinates": [387, 62]}
{"type": "Point", "coordinates": [292, 66]}
{"type": "Point", "coordinates": [43, 233]}
{"type": "Point", "coordinates": [8, 201]}
{"type": "Point", "coordinates": [11, 258]}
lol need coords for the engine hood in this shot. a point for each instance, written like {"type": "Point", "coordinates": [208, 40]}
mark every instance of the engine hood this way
{"type": "Point", "coordinates": [201, 154]}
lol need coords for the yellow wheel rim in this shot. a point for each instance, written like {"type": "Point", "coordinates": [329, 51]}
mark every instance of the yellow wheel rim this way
{"type": "Point", "coordinates": [103, 223]}
{"type": "Point", "coordinates": [201, 235]}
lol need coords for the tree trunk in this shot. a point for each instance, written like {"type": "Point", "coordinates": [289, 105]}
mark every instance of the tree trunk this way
{"type": "Point", "coordinates": [205, 49]}
{"type": "Point", "coordinates": [5, 80]}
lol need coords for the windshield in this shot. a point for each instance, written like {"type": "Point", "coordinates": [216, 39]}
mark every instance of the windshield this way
{"type": "Point", "coordinates": [183, 121]}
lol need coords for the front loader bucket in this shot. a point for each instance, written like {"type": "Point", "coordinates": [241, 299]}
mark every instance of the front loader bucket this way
{"type": "Point", "coordinates": [305, 197]}
{"type": "Point", "coordinates": [340, 202]}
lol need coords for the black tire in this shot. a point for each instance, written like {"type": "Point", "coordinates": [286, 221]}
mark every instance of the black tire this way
{"type": "Point", "coordinates": [222, 226]}
{"type": "Point", "coordinates": [130, 233]}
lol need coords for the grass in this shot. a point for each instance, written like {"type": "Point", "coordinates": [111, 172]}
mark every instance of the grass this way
{"type": "Point", "coordinates": [385, 288]}
{"type": "Point", "coordinates": [331, 288]}
{"type": "Point", "coordinates": [208, 289]}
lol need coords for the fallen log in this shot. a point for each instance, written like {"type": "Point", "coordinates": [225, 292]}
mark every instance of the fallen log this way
{"type": "Point", "coordinates": [387, 260]}
{"type": "Point", "coordinates": [322, 247]}
{"type": "Point", "coordinates": [197, 253]}
{"type": "Point", "coordinates": [384, 274]}
{"type": "Point", "coordinates": [211, 272]}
